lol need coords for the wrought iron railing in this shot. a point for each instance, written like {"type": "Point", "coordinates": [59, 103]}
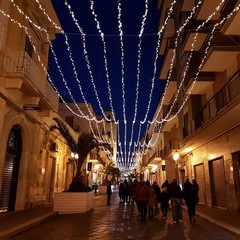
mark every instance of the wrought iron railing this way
{"type": "Point", "coordinates": [19, 62]}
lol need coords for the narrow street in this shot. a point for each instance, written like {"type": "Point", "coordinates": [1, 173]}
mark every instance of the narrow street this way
{"type": "Point", "coordinates": [121, 221]}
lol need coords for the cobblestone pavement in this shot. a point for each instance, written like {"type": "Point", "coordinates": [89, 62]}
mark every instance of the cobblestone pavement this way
{"type": "Point", "coordinates": [121, 221]}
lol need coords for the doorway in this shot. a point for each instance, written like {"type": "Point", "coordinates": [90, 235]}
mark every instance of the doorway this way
{"type": "Point", "coordinates": [11, 170]}
{"type": "Point", "coordinates": [218, 183]}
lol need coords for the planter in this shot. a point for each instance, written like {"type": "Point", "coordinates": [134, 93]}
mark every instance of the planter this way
{"type": "Point", "coordinates": [72, 202]}
{"type": "Point", "coordinates": [102, 189]}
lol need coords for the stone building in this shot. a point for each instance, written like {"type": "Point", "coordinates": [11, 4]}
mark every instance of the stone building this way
{"type": "Point", "coordinates": [33, 160]}
{"type": "Point", "coordinates": [201, 105]}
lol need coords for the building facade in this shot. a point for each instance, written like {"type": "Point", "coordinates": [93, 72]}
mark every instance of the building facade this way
{"type": "Point", "coordinates": [34, 161]}
{"type": "Point", "coordinates": [201, 105]}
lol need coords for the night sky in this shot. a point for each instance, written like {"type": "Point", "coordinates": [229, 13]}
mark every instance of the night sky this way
{"type": "Point", "coordinates": [107, 15]}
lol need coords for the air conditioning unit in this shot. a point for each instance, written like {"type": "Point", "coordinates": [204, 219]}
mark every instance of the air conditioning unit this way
{"type": "Point", "coordinates": [54, 147]}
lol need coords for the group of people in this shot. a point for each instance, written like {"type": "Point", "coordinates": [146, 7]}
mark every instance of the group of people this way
{"type": "Point", "coordinates": [146, 196]}
{"type": "Point", "coordinates": [190, 196]}
{"type": "Point", "coordinates": [150, 197]}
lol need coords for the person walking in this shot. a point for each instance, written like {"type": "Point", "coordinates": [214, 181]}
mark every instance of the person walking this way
{"type": "Point", "coordinates": [152, 200]}
{"type": "Point", "coordinates": [166, 184]}
{"type": "Point", "coordinates": [164, 202]}
{"type": "Point", "coordinates": [132, 190]}
{"type": "Point", "coordinates": [176, 201]}
{"type": "Point", "coordinates": [109, 193]}
{"type": "Point", "coordinates": [189, 197]}
{"type": "Point", "coordinates": [157, 191]}
{"type": "Point", "coordinates": [142, 195]}
{"type": "Point", "coordinates": [126, 191]}
{"type": "Point", "coordinates": [121, 192]}
{"type": "Point", "coordinates": [195, 187]}
{"type": "Point", "coordinates": [195, 190]}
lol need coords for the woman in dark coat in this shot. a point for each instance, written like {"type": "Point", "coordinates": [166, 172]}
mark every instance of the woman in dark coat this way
{"type": "Point", "coordinates": [190, 199]}
{"type": "Point", "coordinates": [164, 202]}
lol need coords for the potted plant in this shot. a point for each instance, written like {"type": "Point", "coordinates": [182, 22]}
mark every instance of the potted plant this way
{"type": "Point", "coordinates": [78, 192]}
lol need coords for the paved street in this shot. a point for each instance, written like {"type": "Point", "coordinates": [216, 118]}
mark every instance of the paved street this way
{"type": "Point", "coordinates": [120, 221]}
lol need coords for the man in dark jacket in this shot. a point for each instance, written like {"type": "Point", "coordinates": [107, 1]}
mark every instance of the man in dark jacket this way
{"type": "Point", "coordinates": [109, 193]}
{"type": "Point", "coordinates": [176, 201]}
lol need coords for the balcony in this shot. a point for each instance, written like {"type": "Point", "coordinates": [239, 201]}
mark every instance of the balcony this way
{"type": "Point", "coordinates": [23, 74]}
{"type": "Point", "coordinates": [187, 5]}
{"type": "Point", "coordinates": [168, 54]}
{"type": "Point", "coordinates": [223, 109]}
{"type": "Point", "coordinates": [172, 87]}
{"type": "Point", "coordinates": [168, 33]}
{"type": "Point", "coordinates": [231, 26]}
{"type": "Point", "coordinates": [171, 147]}
{"type": "Point", "coordinates": [167, 126]}
{"type": "Point", "coordinates": [207, 8]}
{"type": "Point", "coordinates": [222, 48]}
{"type": "Point", "coordinates": [190, 32]}
{"type": "Point", "coordinates": [203, 81]}
{"type": "Point", "coordinates": [155, 158]}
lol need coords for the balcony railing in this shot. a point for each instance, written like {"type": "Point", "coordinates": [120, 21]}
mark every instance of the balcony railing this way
{"type": "Point", "coordinates": [171, 146]}
{"type": "Point", "coordinates": [16, 62]}
{"type": "Point", "coordinates": [173, 110]}
{"type": "Point", "coordinates": [224, 97]}
{"type": "Point", "coordinates": [192, 72]}
{"type": "Point", "coordinates": [157, 154]}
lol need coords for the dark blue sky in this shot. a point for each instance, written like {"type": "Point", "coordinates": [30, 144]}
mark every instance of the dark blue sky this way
{"type": "Point", "coordinates": [106, 10]}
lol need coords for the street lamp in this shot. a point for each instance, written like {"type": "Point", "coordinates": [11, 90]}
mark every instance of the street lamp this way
{"type": "Point", "coordinates": [74, 155]}
{"type": "Point", "coordinates": [175, 158]}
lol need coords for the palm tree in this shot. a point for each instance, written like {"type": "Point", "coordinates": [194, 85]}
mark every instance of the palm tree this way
{"type": "Point", "coordinates": [112, 171]}
{"type": "Point", "coordinates": [83, 146]}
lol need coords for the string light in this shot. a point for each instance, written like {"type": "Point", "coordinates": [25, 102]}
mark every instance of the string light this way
{"type": "Point", "coordinates": [154, 121]}
{"type": "Point", "coordinates": [105, 57]}
{"type": "Point", "coordinates": [193, 44]}
{"type": "Point", "coordinates": [76, 77]}
{"type": "Point", "coordinates": [170, 10]}
{"type": "Point", "coordinates": [186, 68]}
{"type": "Point", "coordinates": [203, 59]}
{"type": "Point", "coordinates": [138, 70]}
{"type": "Point", "coordinates": [44, 30]}
{"type": "Point", "coordinates": [86, 58]}
{"type": "Point", "coordinates": [127, 160]}
{"type": "Point", "coordinates": [119, 8]}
